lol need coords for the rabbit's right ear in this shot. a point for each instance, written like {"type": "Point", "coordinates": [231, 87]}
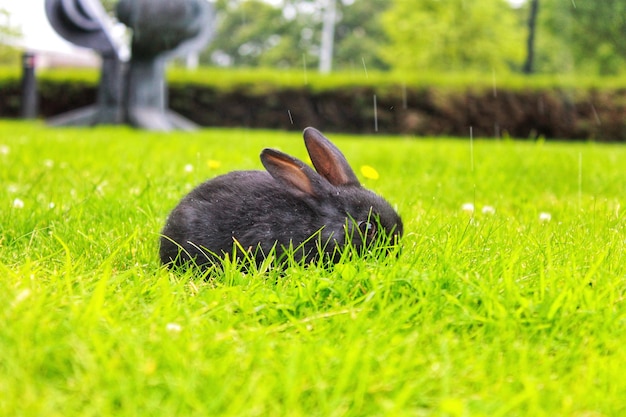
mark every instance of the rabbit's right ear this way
{"type": "Point", "coordinates": [291, 171]}
{"type": "Point", "coordinates": [328, 159]}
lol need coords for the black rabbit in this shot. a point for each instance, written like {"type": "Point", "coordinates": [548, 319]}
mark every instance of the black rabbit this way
{"type": "Point", "coordinates": [288, 208]}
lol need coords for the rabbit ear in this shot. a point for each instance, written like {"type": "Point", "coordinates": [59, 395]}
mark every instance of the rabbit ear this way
{"type": "Point", "coordinates": [290, 171]}
{"type": "Point", "coordinates": [328, 159]}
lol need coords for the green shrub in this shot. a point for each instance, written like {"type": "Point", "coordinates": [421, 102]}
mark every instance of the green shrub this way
{"type": "Point", "coordinates": [491, 105]}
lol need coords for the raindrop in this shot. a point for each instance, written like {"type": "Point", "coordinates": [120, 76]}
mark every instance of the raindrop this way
{"type": "Point", "coordinates": [541, 108]}
{"type": "Point", "coordinates": [404, 99]}
{"type": "Point", "coordinates": [375, 115]}
{"type": "Point", "coordinates": [306, 78]}
{"type": "Point", "coordinates": [472, 148]}
{"type": "Point", "coordinates": [364, 67]}
{"type": "Point", "coordinates": [580, 179]}
{"type": "Point", "coordinates": [595, 114]}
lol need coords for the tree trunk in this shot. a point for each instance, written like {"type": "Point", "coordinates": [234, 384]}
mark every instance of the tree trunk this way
{"type": "Point", "coordinates": [328, 37]}
{"type": "Point", "coordinates": [528, 67]}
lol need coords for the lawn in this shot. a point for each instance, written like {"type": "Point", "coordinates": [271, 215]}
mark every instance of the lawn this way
{"type": "Point", "coordinates": [507, 298]}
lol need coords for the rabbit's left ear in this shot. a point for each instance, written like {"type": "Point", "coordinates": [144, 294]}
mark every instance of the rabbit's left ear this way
{"type": "Point", "coordinates": [291, 171]}
{"type": "Point", "coordinates": [328, 159]}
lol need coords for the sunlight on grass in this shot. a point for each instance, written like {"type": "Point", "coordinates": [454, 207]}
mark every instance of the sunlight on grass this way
{"type": "Point", "coordinates": [507, 297]}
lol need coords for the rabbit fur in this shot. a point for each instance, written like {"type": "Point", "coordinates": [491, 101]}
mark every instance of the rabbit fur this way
{"type": "Point", "coordinates": [288, 207]}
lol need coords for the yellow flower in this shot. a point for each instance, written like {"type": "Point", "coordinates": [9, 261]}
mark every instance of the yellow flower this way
{"type": "Point", "coordinates": [369, 172]}
{"type": "Point", "coordinates": [213, 164]}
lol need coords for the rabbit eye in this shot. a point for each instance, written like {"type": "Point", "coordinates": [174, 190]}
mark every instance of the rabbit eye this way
{"type": "Point", "coordinates": [367, 229]}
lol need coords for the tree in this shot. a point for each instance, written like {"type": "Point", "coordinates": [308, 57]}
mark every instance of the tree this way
{"type": "Point", "coordinates": [359, 35]}
{"type": "Point", "coordinates": [288, 34]}
{"type": "Point", "coordinates": [590, 32]}
{"type": "Point", "coordinates": [255, 33]}
{"type": "Point", "coordinates": [453, 35]}
{"type": "Point", "coordinates": [551, 47]}
{"type": "Point", "coordinates": [528, 67]}
{"type": "Point", "coordinates": [8, 54]}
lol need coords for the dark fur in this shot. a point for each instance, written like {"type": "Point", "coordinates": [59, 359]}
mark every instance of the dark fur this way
{"type": "Point", "coordinates": [291, 206]}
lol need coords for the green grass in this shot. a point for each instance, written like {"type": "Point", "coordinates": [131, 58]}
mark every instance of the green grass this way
{"type": "Point", "coordinates": [490, 314]}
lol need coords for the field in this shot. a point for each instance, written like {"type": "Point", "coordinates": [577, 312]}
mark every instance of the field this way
{"type": "Point", "coordinates": [507, 298]}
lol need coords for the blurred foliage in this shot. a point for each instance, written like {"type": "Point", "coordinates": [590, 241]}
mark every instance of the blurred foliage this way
{"type": "Point", "coordinates": [459, 35]}
{"type": "Point", "coordinates": [8, 54]}
{"type": "Point", "coordinates": [583, 36]}
{"type": "Point", "coordinates": [254, 33]}
{"type": "Point", "coordinates": [422, 35]}
{"type": "Point", "coordinates": [287, 34]}
{"type": "Point", "coordinates": [455, 35]}
{"type": "Point", "coordinates": [409, 36]}
{"type": "Point", "coordinates": [359, 35]}
{"type": "Point", "coordinates": [109, 5]}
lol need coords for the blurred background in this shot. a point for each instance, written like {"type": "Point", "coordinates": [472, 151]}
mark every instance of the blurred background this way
{"type": "Point", "coordinates": [503, 45]}
{"type": "Point", "coordinates": [413, 35]}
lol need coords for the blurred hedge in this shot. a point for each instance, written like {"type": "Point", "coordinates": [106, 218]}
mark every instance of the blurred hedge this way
{"type": "Point", "coordinates": [513, 106]}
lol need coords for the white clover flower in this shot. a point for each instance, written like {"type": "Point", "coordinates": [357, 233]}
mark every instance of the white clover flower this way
{"type": "Point", "coordinates": [18, 204]}
{"type": "Point", "coordinates": [188, 168]}
{"type": "Point", "coordinates": [545, 217]}
{"type": "Point", "coordinates": [4, 150]}
{"type": "Point", "coordinates": [468, 207]}
{"type": "Point", "coordinates": [51, 205]}
{"type": "Point", "coordinates": [48, 163]}
{"type": "Point", "coordinates": [21, 296]}
{"type": "Point", "coordinates": [173, 327]}
{"type": "Point", "coordinates": [489, 210]}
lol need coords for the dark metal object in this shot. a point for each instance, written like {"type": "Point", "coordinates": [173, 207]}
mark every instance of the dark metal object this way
{"type": "Point", "coordinates": [136, 92]}
{"type": "Point", "coordinates": [29, 87]}
{"type": "Point", "coordinates": [161, 29]}
{"type": "Point", "coordinates": [82, 22]}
